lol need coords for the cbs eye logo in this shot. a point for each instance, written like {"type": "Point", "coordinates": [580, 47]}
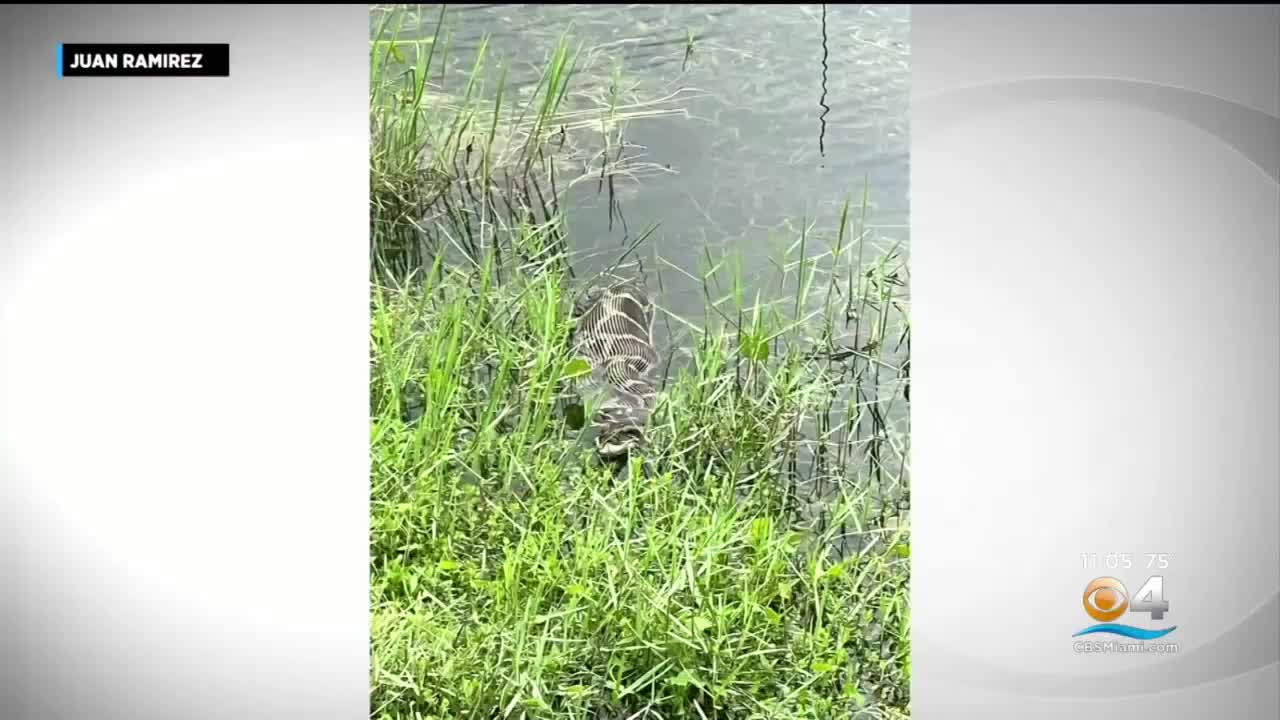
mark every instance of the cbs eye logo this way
{"type": "Point", "coordinates": [1106, 599]}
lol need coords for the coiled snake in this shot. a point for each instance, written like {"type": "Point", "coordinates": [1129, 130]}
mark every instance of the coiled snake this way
{"type": "Point", "coordinates": [613, 332]}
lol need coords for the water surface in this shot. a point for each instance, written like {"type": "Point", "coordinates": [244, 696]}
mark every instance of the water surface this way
{"type": "Point", "coordinates": [770, 120]}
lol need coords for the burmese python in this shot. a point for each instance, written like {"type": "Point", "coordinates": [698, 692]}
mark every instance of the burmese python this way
{"type": "Point", "coordinates": [613, 332]}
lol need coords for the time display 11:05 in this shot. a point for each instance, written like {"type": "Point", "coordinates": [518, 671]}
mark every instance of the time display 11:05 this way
{"type": "Point", "coordinates": [1124, 561]}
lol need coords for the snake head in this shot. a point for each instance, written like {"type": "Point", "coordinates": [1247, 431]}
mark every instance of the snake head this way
{"type": "Point", "coordinates": [618, 445]}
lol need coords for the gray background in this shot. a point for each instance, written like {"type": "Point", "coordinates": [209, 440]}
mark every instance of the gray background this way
{"type": "Point", "coordinates": [183, 341]}
{"type": "Point", "coordinates": [1095, 224]}
{"type": "Point", "coordinates": [183, 370]}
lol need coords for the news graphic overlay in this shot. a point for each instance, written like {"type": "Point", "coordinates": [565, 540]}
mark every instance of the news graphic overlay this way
{"type": "Point", "coordinates": [1118, 613]}
{"type": "Point", "coordinates": [144, 60]}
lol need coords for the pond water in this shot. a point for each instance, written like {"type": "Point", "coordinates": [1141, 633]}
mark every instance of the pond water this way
{"type": "Point", "coordinates": [769, 120]}
{"type": "Point", "coordinates": [744, 123]}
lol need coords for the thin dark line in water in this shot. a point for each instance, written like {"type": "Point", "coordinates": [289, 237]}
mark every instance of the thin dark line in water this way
{"type": "Point", "coordinates": [823, 100]}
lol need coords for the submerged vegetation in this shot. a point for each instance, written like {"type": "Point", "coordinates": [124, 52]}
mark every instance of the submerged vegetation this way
{"type": "Point", "coordinates": [753, 562]}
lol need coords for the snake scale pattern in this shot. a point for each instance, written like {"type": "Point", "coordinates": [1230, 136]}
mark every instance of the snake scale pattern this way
{"type": "Point", "coordinates": [613, 332]}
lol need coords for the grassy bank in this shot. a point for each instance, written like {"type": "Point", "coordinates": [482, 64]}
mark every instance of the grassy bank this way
{"type": "Point", "coordinates": [513, 575]}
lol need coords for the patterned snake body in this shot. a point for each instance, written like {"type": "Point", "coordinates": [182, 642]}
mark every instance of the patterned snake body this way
{"type": "Point", "coordinates": [614, 334]}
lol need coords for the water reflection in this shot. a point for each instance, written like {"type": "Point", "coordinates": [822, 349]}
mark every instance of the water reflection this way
{"type": "Point", "coordinates": [765, 123]}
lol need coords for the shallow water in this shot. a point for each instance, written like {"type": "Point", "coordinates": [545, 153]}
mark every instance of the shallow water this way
{"type": "Point", "coordinates": [768, 127]}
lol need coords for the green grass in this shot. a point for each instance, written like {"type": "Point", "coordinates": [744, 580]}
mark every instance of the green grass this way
{"type": "Point", "coordinates": [752, 563]}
